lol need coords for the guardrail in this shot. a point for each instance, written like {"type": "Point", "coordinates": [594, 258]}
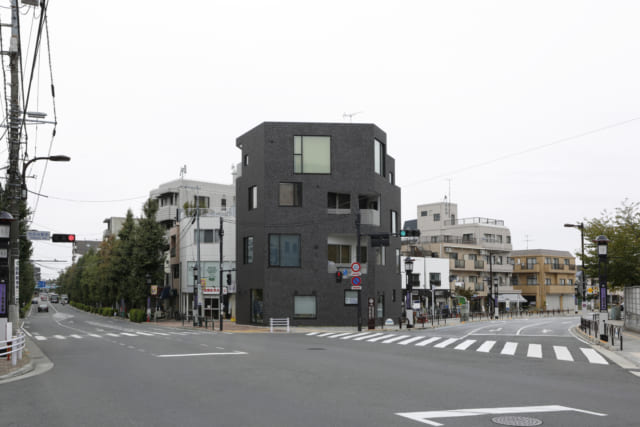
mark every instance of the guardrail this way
{"type": "Point", "coordinates": [13, 347]}
{"type": "Point", "coordinates": [278, 323]}
{"type": "Point", "coordinates": [610, 333]}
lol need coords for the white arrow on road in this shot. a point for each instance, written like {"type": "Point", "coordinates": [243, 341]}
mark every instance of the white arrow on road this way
{"type": "Point", "coordinates": [495, 330]}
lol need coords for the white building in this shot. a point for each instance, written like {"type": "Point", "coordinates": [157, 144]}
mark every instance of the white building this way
{"type": "Point", "coordinates": [431, 286]}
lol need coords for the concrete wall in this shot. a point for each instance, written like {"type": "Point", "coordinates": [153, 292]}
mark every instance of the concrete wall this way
{"type": "Point", "coordinates": [632, 308]}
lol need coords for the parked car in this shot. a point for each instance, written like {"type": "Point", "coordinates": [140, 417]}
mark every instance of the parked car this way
{"type": "Point", "coordinates": [43, 307]}
{"type": "Point", "coordinates": [64, 299]}
{"type": "Point", "coordinates": [43, 298]}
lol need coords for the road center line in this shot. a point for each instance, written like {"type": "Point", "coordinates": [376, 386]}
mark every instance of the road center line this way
{"type": "Point", "coordinates": [233, 353]}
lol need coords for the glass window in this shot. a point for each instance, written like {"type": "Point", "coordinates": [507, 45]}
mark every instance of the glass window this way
{"type": "Point", "coordinates": [284, 250]}
{"type": "Point", "coordinates": [424, 213]}
{"type": "Point", "coordinates": [381, 255]}
{"type": "Point", "coordinates": [547, 281]}
{"type": "Point", "coordinates": [207, 236]}
{"type": "Point", "coordinates": [340, 254]}
{"type": "Point", "coordinates": [311, 154]}
{"type": "Point", "coordinates": [436, 217]}
{"type": "Point", "coordinates": [378, 157]}
{"type": "Point", "coordinates": [246, 160]}
{"type": "Point", "coordinates": [338, 201]}
{"type": "Point", "coordinates": [434, 279]}
{"type": "Point", "coordinates": [363, 254]}
{"type": "Point", "coordinates": [304, 306]}
{"type": "Point", "coordinates": [201, 201]}
{"type": "Point", "coordinates": [390, 177]}
{"type": "Point", "coordinates": [290, 194]}
{"type": "Point", "coordinates": [248, 250]}
{"type": "Point", "coordinates": [350, 297]}
{"type": "Point", "coordinates": [223, 204]}
{"type": "Point", "coordinates": [398, 261]}
{"type": "Point", "coordinates": [394, 222]}
{"type": "Point", "coordinates": [253, 197]}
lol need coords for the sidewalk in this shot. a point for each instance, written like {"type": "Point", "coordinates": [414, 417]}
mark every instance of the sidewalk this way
{"type": "Point", "coordinates": [630, 352]}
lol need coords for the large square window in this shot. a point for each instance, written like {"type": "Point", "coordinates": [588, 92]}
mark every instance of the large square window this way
{"type": "Point", "coordinates": [312, 154]}
{"type": "Point", "coordinates": [290, 194]}
{"type": "Point", "coordinates": [340, 254]}
{"type": "Point", "coordinates": [338, 201]}
{"type": "Point", "coordinates": [304, 306]}
{"type": "Point", "coordinates": [284, 250]}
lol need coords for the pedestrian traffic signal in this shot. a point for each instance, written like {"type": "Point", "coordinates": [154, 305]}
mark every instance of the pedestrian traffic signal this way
{"type": "Point", "coordinates": [63, 238]}
{"type": "Point", "coordinates": [409, 233]}
{"type": "Point", "coordinates": [338, 276]}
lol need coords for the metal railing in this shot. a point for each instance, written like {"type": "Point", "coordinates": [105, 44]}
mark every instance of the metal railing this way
{"type": "Point", "coordinates": [12, 348]}
{"type": "Point", "coordinates": [278, 323]}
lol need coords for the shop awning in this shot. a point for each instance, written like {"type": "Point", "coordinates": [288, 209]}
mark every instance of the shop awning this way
{"type": "Point", "coordinates": [511, 298]}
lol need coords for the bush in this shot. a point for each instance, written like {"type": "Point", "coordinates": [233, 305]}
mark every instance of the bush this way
{"type": "Point", "coordinates": [137, 315]}
{"type": "Point", "coordinates": [107, 311]}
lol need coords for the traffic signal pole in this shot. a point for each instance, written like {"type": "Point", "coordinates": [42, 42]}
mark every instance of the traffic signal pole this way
{"type": "Point", "coordinates": [220, 305]}
{"type": "Point", "coordinates": [358, 261]}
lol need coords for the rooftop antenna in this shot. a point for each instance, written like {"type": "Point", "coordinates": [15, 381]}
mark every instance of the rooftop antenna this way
{"type": "Point", "coordinates": [183, 171]}
{"type": "Point", "coordinates": [527, 240]}
{"type": "Point", "coordinates": [350, 115]}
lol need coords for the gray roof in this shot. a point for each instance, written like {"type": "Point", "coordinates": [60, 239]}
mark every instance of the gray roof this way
{"type": "Point", "coordinates": [542, 252]}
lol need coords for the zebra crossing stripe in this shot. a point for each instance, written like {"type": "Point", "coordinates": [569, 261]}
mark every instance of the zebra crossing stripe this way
{"type": "Point", "coordinates": [144, 333]}
{"type": "Point", "coordinates": [326, 334]}
{"type": "Point", "coordinates": [562, 353]}
{"type": "Point", "coordinates": [161, 333]}
{"type": "Point", "coordinates": [339, 335]}
{"type": "Point", "coordinates": [368, 336]}
{"type": "Point", "coordinates": [509, 348]}
{"type": "Point", "coordinates": [94, 335]}
{"type": "Point", "coordinates": [593, 356]}
{"type": "Point", "coordinates": [60, 337]}
{"type": "Point", "coordinates": [410, 340]}
{"type": "Point", "coordinates": [486, 346]}
{"type": "Point", "coordinates": [78, 337]}
{"type": "Point", "coordinates": [465, 345]}
{"type": "Point", "coordinates": [535, 350]}
{"type": "Point", "coordinates": [310, 334]}
{"type": "Point", "coordinates": [382, 337]}
{"type": "Point", "coordinates": [112, 335]}
{"type": "Point", "coordinates": [354, 335]}
{"type": "Point", "coordinates": [40, 337]}
{"type": "Point", "coordinates": [394, 339]}
{"type": "Point", "coordinates": [446, 342]}
{"type": "Point", "coordinates": [128, 334]}
{"type": "Point", "coordinates": [427, 341]}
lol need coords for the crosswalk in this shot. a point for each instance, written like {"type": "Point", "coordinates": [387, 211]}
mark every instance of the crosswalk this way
{"type": "Point", "coordinates": [117, 334]}
{"type": "Point", "coordinates": [507, 348]}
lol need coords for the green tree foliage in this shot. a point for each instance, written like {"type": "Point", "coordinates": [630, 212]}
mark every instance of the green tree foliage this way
{"type": "Point", "coordinates": [117, 271]}
{"type": "Point", "coordinates": [622, 228]}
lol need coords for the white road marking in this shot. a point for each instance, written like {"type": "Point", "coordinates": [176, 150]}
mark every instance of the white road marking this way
{"type": "Point", "coordinates": [593, 356]}
{"type": "Point", "coordinates": [112, 335]}
{"type": "Point", "coordinates": [78, 337]}
{"type": "Point", "coordinates": [464, 345]}
{"type": "Point", "coordinates": [339, 335]}
{"type": "Point", "coordinates": [486, 346]}
{"type": "Point", "coordinates": [410, 340]}
{"type": "Point", "coordinates": [161, 333]}
{"type": "Point", "coordinates": [562, 353]}
{"type": "Point", "coordinates": [380, 338]}
{"type": "Point", "coordinates": [40, 337]}
{"type": "Point", "coordinates": [445, 343]}
{"type": "Point", "coordinates": [94, 335]}
{"type": "Point", "coordinates": [535, 350]}
{"type": "Point", "coordinates": [60, 337]}
{"type": "Point", "coordinates": [636, 373]}
{"type": "Point", "coordinates": [509, 348]}
{"type": "Point", "coordinates": [427, 341]}
{"type": "Point", "coordinates": [310, 334]}
{"type": "Point", "coordinates": [427, 417]}
{"type": "Point", "coordinates": [128, 334]}
{"type": "Point", "coordinates": [144, 333]}
{"type": "Point", "coordinates": [368, 336]}
{"type": "Point", "coordinates": [326, 334]}
{"type": "Point", "coordinates": [233, 353]}
{"type": "Point", "coordinates": [394, 339]}
{"type": "Point", "coordinates": [354, 335]}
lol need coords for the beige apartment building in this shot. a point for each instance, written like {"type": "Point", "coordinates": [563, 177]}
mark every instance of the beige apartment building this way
{"type": "Point", "coordinates": [545, 277]}
{"type": "Point", "coordinates": [477, 248]}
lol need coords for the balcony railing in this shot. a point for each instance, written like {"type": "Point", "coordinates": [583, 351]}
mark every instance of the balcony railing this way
{"type": "Point", "coordinates": [449, 239]}
{"type": "Point", "coordinates": [475, 220]}
{"type": "Point", "coordinates": [459, 263]}
{"type": "Point", "coordinates": [478, 265]}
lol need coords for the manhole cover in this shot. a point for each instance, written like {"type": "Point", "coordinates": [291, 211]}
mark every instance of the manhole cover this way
{"type": "Point", "coordinates": [516, 421]}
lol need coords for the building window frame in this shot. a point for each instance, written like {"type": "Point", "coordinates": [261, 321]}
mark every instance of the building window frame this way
{"type": "Point", "coordinates": [290, 194]}
{"type": "Point", "coordinates": [312, 154]}
{"type": "Point", "coordinates": [277, 250]}
{"type": "Point", "coordinates": [247, 251]}
{"type": "Point", "coordinates": [305, 307]}
{"type": "Point", "coordinates": [253, 197]}
{"type": "Point", "coordinates": [379, 153]}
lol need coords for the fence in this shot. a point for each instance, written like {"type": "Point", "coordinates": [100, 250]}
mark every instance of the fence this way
{"type": "Point", "coordinates": [13, 347]}
{"type": "Point", "coordinates": [632, 308]}
{"type": "Point", "coordinates": [278, 323]}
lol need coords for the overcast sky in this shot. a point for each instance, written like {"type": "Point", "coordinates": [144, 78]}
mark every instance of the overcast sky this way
{"type": "Point", "coordinates": [528, 111]}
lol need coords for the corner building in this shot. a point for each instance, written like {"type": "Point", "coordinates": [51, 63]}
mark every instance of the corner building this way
{"type": "Point", "coordinates": [301, 189]}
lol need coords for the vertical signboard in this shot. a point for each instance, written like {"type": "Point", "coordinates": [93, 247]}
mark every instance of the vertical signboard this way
{"type": "Point", "coordinates": [16, 269]}
{"type": "Point", "coordinates": [3, 300]}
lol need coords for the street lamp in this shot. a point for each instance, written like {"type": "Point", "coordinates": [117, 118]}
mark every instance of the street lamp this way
{"type": "Point", "coordinates": [602, 243]}
{"type": "Point", "coordinates": [195, 295]}
{"type": "Point", "coordinates": [408, 269]}
{"type": "Point", "coordinates": [56, 158]}
{"type": "Point", "coordinates": [148, 277]}
{"type": "Point", "coordinates": [580, 227]}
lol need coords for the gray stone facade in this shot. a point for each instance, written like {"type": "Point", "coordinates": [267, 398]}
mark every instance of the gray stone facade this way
{"type": "Point", "coordinates": [265, 290]}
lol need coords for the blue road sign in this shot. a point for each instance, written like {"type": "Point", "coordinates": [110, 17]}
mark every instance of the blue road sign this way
{"type": "Point", "coordinates": [42, 284]}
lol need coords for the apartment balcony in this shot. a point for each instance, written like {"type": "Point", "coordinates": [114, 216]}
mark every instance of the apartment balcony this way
{"type": "Point", "coordinates": [459, 263]}
{"type": "Point", "coordinates": [478, 265]}
{"type": "Point", "coordinates": [554, 267]}
{"type": "Point", "coordinates": [475, 220]}
{"type": "Point", "coordinates": [499, 268]}
{"type": "Point", "coordinates": [560, 289]}
{"type": "Point", "coordinates": [449, 239]}
{"type": "Point", "coordinates": [370, 217]}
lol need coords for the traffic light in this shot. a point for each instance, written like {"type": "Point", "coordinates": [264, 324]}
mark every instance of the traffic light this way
{"type": "Point", "coordinates": [63, 238]}
{"type": "Point", "coordinates": [338, 276]}
{"type": "Point", "coordinates": [409, 233]}
{"type": "Point", "coordinates": [228, 279]}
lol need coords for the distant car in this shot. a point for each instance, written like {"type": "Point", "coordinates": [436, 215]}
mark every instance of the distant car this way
{"type": "Point", "coordinates": [43, 307]}
{"type": "Point", "coordinates": [34, 300]}
{"type": "Point", "coordinates": [64, 299]}
{"type": "Point", "coordinates": [54, 298]}
{"type": "Point", "coordinates": [43, 298]}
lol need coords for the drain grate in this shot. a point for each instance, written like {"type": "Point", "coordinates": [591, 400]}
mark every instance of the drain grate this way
{"type": "Point", "coordinates": [516, 421]}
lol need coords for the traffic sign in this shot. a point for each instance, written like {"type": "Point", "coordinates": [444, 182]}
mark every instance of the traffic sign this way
{"type": "Point", "coordinates": [38, 235]}
{"type": "Point", "coordinates": [355, 267]}
{"type": "Point", "coordinates": [356, 281]}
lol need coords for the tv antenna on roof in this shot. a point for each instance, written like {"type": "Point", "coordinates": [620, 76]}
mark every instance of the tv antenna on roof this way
{"type": "Point", "coordinates": [183, 171]}
{"type": "Point", "coordinates": [350, 115]}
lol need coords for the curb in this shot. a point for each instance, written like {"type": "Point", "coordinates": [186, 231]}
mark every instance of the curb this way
{"type": "Point", "coordinates": [38, 364]}
{"type": "Point", "coordinates": [618, 357]}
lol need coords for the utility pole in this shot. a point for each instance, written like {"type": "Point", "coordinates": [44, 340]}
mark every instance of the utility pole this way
{"type": "Point", "coordinates": [358, 261]}
{"type": "Point", "coordinates": [197, 291]}
{"type": "Point", "coordinates": [14, 178]}
{"type": "Point", "coordinates": [220, 305]}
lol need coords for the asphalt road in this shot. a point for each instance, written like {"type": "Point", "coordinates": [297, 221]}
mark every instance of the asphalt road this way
{"type": "Point", "coordinates": [110, 372]}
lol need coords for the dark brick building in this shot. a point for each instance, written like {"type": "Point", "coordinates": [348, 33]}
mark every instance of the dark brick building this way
{"type": "Point", "coordinates": [301, 188]}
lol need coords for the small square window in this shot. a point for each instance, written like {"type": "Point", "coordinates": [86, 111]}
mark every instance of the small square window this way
{"type": "Point", "coordinates": [290, 194]}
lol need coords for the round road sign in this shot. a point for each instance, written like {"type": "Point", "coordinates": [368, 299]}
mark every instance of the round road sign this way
{"type": "Point", "coordinates": [355, 267]}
